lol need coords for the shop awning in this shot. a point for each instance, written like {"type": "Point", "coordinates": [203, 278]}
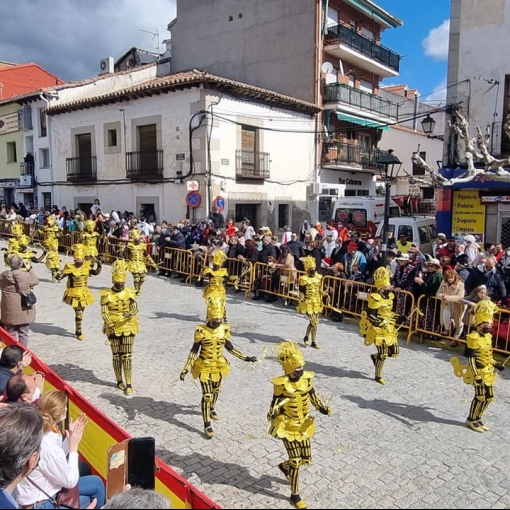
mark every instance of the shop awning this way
{"type": "Point", "coordinates": [362, 122]}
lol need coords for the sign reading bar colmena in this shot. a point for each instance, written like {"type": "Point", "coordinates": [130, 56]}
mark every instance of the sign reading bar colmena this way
{"type": "Point", "coordinates": [9, 123]}
{"type": "Point", "coordinates": [468, 214]}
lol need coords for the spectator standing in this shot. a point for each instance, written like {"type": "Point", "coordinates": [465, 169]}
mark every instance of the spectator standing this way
{"type": "Point", "coordinates": [490, 275]}
{"type": "Point", "coordinates": [217, 218]}
{"type": "Point", "coordinates": [15, 317]}
{"type": "Point", "coordinates": [95, 207]}
{"type": "Point", "coordinates": [21, 431]}
{"type": "Point", "coordinates": [12, 362]}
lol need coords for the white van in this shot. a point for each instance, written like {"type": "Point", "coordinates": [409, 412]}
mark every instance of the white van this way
{"type": "Point", "coordinates": [419, 229]}
{"type": "Point", "coordinates": [362, 214]}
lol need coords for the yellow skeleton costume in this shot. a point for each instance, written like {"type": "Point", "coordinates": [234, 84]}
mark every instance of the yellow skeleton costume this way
{"type": "Point", "coordinates": [215, 294]}
{"type": "Point", "coordinates": [207, 362]}
{"type": "Point", "coordinates": [310, 299]}
{"type": "Point", "coordinates": [119, 312]}
{"type": "Point", "coordinates": [89, 239]}
{"type": "Point", "coordinates": [28, 255]}
{"type": "Point", "coordinates": [289, 414]}
{"type": "Point", "coordinates": [479, 370]}
{"type": "Point", "coordinates": [77, 294]}
{"type": "Point", "coordinates": [377, 324]}
{"type": "Point", "coordinates": [51, 235]}
{"type": "Point", "coordinates": [138, 258]}
{"type": "Point", "coordinates": [13, 243]}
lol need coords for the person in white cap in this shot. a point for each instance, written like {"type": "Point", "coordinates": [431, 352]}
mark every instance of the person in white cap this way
{"type": "Point", "coordinates": [472, 250]}
{"type": "Point", "coordinates": [438, 244]}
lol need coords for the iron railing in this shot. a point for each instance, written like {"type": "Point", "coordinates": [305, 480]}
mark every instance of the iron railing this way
{"type": "Point", "coordinates": [252, 164]}
{"type": "Point", "coordinates": [82, 168]}
{"type": "Point", "coordinates": [144, 164]}
{"type": "Point", "coordinates": [350, 37]}
{"type": "Point", "coordinates": [351, 154]}
{"type": "Point", "coordinates": [26, 168]}
{"type": "Point", "coordinates": [340, 93]}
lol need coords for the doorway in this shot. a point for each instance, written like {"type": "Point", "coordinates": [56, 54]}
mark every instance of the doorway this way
{"type": "Point", "coordinates": [250, 212]}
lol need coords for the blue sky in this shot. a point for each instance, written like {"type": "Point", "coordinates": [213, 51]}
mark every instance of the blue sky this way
{"type": "Point", "coordinates": [423, 41]}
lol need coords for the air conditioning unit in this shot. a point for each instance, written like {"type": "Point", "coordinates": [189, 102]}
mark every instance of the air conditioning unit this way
{"type": "Point", "coordinates": [314, 189]}
{"type": "Point", "coordinates": [25, 180]}
{"type": "Point", "coordinates": [106, 65]}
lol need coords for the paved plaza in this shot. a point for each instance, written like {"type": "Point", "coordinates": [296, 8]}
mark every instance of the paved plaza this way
{"type": "Point", "coordinates": [403, 445]}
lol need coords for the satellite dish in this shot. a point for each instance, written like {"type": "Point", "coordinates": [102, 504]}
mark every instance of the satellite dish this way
{"type": "Point", "coordinates": [327, 67]}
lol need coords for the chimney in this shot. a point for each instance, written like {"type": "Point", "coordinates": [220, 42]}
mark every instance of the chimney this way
{"type": "Point", "coordinates": [168, 50]}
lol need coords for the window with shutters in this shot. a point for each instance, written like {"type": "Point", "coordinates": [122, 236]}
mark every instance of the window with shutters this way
{"type": "Point", "coordinates": [42, 123]}
{"type": "Point", "coordinates": [147, 162]}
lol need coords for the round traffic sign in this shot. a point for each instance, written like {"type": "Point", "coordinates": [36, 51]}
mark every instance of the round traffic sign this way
{"type": "Point", "coordinates": [219, 202]}
{"type": "Point", "coordinates": [194, 199]}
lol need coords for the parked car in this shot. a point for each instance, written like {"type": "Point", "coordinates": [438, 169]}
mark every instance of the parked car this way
{"type": "Point", "coordinates": [419, 229]}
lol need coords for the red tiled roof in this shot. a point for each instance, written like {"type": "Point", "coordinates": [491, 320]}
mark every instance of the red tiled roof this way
{"type": "Point", "coordinates": [392, 88]}
{"type": "Point", "coordinates": [21, 78]}
{"type": "Point", "coordinates": [187, 79]}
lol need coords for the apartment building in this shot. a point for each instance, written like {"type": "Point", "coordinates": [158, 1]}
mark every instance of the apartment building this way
{"type": "Point", "coordinates": [479, 81]}
{"type": "Point", "coordinates": [329, 53]}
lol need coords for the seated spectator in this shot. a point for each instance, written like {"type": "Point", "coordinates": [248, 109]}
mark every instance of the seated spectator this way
{"type": "Point", "coordinates": [138, 498]}
{"type": "Point", "coordinates": [12, 362]}
{"type": "Point", "coordinates": [21, 430]}
{"type": "Point", "coordinates": [24, 389]}
{"type": "Point", "coordinates": [58, 465]}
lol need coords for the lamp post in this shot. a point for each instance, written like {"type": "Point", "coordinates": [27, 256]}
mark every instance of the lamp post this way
{"type": "Point", "coordinates": [389, 166]}
{"type": "Point", "coordinates": [428, 124]}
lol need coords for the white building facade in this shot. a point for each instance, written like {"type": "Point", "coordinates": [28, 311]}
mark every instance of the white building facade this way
{"type": "Point", "coordinates": [139, 149]}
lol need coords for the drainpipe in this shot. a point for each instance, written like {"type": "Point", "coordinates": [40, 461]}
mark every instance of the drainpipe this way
{"type": "Point", "coordinates": [416, 108]}
{"type": "Point", "coordinates": [48, 134]}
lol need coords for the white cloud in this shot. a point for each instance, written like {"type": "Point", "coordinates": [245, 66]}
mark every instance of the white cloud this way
{"type": "Point", "coordinates": [68, 37]}
{"type": "Point", "coordinates": [438, 95]}
{"type": "Point", "coordinates": [436, 42]}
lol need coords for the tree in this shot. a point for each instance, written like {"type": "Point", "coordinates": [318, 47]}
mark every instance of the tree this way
{"type": "Point", "coordinates": [476, 152]}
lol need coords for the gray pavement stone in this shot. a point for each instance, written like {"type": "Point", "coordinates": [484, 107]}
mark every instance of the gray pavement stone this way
{"type": "Point", "coordinates": [402, 445]}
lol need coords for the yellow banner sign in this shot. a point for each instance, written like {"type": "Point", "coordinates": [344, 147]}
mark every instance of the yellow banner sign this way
{"type": "Point", "coordinates": [468, 214]}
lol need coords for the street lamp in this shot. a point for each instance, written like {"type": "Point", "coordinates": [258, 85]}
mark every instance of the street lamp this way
{"type": "Point", "coordinates": [428, 124]}
{"type": "Point", "coordinates": [389, 167]}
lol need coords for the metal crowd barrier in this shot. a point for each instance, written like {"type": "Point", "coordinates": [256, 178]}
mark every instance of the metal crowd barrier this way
{"type": "Point", "coordinates": [282, 283]}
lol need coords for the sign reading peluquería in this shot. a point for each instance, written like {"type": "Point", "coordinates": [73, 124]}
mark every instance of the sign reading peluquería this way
{"type": "Point", "coordinates": [9, 123]}
{"type": "Point", "coordinates": [468, 213]}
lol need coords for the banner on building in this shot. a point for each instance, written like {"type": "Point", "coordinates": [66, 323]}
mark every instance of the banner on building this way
{"type": "Point", "coordinates": [9, 123]}
{"type": "Point", "coordinates": [468, 214]}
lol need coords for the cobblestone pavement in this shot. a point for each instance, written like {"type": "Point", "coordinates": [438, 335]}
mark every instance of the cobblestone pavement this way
{"type": "Point", "coordinates": [403, 445]}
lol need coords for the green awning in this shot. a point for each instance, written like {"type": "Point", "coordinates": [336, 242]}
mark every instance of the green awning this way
{"type": "Point", "coordinates": [362, 122]}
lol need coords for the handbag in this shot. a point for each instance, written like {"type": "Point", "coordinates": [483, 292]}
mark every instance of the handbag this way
{"type": "Point", "coordinates": [69, 498]}
{"type": "Point", "coordinates": [28, 300]}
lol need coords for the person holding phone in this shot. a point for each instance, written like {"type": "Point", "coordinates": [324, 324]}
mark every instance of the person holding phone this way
{"type": "Point", "coordinates": [207, 362]}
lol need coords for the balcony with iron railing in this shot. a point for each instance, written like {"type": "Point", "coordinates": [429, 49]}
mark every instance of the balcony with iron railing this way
{"type": "Point", "coordinates": [252, 164]}
{"type": "Point", "coordinates": [341, 154]}
{"type": "Point", "coordinates": [81, 169]}
{"type": "Point", "coordinates": [381, 56]}
{"type": "Point", "coordinates": [359, 100]}
{"type": "Point", "coordinates": [27, 168]}
{"type": "Point", "coordinates": [144, 165]}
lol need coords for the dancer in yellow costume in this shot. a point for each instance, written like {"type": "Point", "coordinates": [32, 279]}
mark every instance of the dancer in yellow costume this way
{"type": "Point", "coordinates": [138, 258]}
{"type": "Point", "coordinates": [207, 362]}
{"type": "Point", "coordinates": [77, 294]}
{"type": "Point", "coordinates": [289, 414]}
{"type": "Point", "coordinates": [13, 243]}
{"type": "Point", "coordinates": [479, 371]}
{"type": "Point", "coordinates": [28, 255]}
{"type": "Point", "coordinates": [215, 294]}
{"type": "Point", "coordinates": [89, 239]}
{"type": "Point", "coordinates": [51, 234]}
{"type": "Point", "coordinates": [119, 312]}
{"type": "Point", "coordinates": [377, 324]}
{"type": "Point", "coordinates": [310, 299]}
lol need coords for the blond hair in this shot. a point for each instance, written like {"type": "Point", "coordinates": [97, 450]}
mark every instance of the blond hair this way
{"type": "Point", "coordinates": [52, 405]}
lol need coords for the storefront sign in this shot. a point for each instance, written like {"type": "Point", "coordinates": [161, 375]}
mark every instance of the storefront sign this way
{"type": "Point", "coordinates": [468, 214]}
{"type": "Point", "coordinates": [9, 123]}
{"type": "Point", "coordinates": [351, 182]}
{"type": "Point", "coordinates": [499, 198]}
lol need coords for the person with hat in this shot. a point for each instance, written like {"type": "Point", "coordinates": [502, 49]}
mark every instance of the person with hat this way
{"type": "Point", "coordinates": [289, 414]}
{"type": "Point", "coordinates": [462, 266]}
{"type": "Point", "coordinates": [310, 299]}
{"type": "Point", "coordinates": [479, 371]}
{"type": "Point", "coordinates": [448, 249]}
{"type": "Point", "coordinates": [403, 280]}
{"type": "Point", "coordinates": [119, 311]}
{"type": "Point", "coordinates": [472, 249]}
{"type": "Point", "coordinates": [77, 293]}
{"type": "Point", "coordinates": [378, 322]}
{"type": "Point", "coordinates": [427, 286]}
{"type": "Point", "coordinates": [207, 362]}
{"type": "Point", "coordinates": [354, 257]}
{"type": "Point", "coordinates": [439, 242]}
{"type": "Point", "coordinates": [89, 238]}
{"type": "Point", "coordinates": [138, 259]}
{"type": "Point", "coordinates": [27, 254]}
